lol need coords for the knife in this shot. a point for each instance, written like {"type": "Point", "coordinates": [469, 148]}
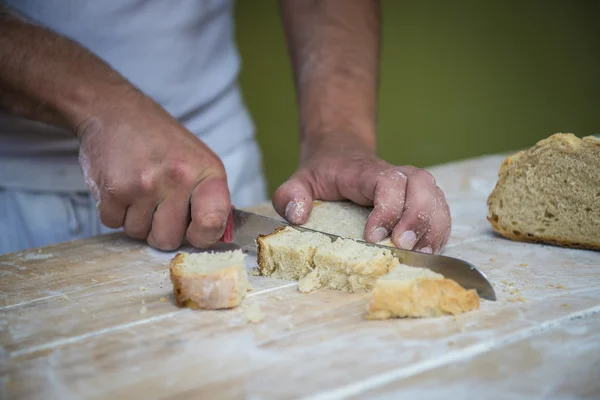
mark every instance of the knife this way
{"type": "Point", "coordinates": [244, 227]}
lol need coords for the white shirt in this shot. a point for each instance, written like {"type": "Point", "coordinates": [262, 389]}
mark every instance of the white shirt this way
{"type": "Point", "coordinates": [181, 53]}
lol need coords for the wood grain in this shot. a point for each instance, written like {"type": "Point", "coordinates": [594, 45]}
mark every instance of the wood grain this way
{"type": "Point", "coordinates": [95, 319]}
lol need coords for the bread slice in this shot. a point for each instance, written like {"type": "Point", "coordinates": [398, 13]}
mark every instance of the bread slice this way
{"type": "Point", "coordinates": [347, 265]}
{"type": "Point", "coordinates": [288, 253]}
{"type": "Point", "coordinates": [550, 193]}
{"type": "Point", "coordinates": [341, 218]}
{"type": "Point", "coordinates": [418, 292]}
{"type": "Point", "coordinates": [209, 280]}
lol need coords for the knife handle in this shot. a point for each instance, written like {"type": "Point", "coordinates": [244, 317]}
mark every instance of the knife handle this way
{"type": "Point", "coordinates": [228, 234]}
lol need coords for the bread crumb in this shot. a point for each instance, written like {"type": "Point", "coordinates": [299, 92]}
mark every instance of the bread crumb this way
{"type": "Point", "coordinates": [278, 298]}
{"type": "Point", "coordinates": [250, 288]}
{"type": "Point", "coordinates": [83, 311]}
{"type": "Point", "coordinates": [564, 305]}
{"type": "Point", "coordinates": [66, 297]}
{"type": "Point", "coordinates": [290, 326]}
{"type": "Point", "coordinates": [519, 299]}
{"type": "Point", "coordinates": [111, 277]}
{"type": "Point", "coordinates": [163, 299]}
{"type": "Point", "coordinates": [143, 310]}
{"type": "Point", "coordinates": [254, 271]}
{"type": "Point", "coordinates": [551, 284]}
{"type": "Point", "coordinates": [253, 313]}
{"type": "Point", "coordinates": [142, 288]}
{"type": "Point", "coordinates": [559, 286]}
{"type": "Point", "coordinates": [94, 281]}
{"type": "Point", "coordinates": [523, 265]}
{"type": "Point", "coordinates": [492, 259]}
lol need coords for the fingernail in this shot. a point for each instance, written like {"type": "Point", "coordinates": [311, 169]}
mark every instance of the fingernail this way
{"type": "Point", "coordinates": [426, 250]}
{"type": "Point", "coordinates": [408, 240]}
{"type": "Point", "coordinates": [294, 212]}
{"type": "Point", "coordinates": [379, 234]}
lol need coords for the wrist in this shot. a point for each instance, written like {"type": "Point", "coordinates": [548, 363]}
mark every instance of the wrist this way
{"type": "Point", "coordinates": [338, 143]}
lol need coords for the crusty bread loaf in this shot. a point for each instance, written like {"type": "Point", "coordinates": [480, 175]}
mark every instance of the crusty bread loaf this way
{"type": "Point", "coordinates": [347, 265]}
{"type": "Point", "coordinates": [341, 218]}
{"type": "Point", "coordinates": [316, 262]}
{"type": "Point", "coordinates": [550, 193]}
{"type": "Point", "coordinates": [418, 292]}
{"type": "Point", "coordinates": [209, 280]}
{"type": "Point", "coordinates": [288, 253]}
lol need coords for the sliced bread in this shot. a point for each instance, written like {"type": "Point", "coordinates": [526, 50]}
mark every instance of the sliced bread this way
{"type": "Point", "coordinates": [550, 193]}
{"type": "Point", "coordinates": [288, 253]}
{"type": "Point", "coordinates": [209, 280]}
{"type": "Point", "coordinates": [418, 292]}
{"type": "Point", "coordinates": [347, 265]}
{"type": "Point", "coordinates": [341, 218]}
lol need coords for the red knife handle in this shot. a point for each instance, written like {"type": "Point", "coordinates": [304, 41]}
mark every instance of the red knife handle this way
{"type": "Point", "coordinates": [228, 234]}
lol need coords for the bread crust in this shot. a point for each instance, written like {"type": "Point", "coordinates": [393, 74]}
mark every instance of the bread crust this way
{"type": "Point", "coordinates": [571, 144]}
{"type": "Point", "coordinates": [420, 298]}
{"type": "Point", "coordinates": [223, 289]}
{"type": "Point", "coordinates": [261, 251]}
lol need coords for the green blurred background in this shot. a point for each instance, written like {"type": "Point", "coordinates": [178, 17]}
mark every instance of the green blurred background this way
{"type": "Point", "coordinates": [458, 78]}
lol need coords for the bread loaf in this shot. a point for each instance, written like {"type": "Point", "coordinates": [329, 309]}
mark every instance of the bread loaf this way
{"type": "Point", "coordinates": [209, 280]}
{"type": "Point", "coordinates": [416, 293]}
{"type": "Point", "coordinates": [341, 218]}
{"type": "Point", "coordinates": [550, 193]}
{"type": "Point", "coordinates": [288, 253]}
{"type": "Point", "coordinates": [316, 262]}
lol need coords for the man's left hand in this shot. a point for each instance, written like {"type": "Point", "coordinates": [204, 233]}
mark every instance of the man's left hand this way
{"type": "Point", "coordinates": [407, 201]}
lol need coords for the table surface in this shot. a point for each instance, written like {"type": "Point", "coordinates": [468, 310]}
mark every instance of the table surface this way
{"type": "Point", "coordinates": [96, 319]}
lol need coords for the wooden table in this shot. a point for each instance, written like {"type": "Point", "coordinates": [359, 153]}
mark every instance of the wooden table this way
{"type": "Point", "coordinates": [95, 319]}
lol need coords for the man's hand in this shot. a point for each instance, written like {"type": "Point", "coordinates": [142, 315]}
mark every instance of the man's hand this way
{"type": "Point", "coordinates": [407, 202]}
{"type": "Point", "coordinates": [153, 177]}
{"type": "Point", "coordinates": [149, 174]}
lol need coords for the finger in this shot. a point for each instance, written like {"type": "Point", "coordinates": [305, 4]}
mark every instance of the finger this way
{"type": "Point", "coordinates": [111, 212]}
{"type": "Point", "coordinates": [419, 209]}
{"type": "Point", "coordinates": [138, 219]}
{"type": "Point", "coordinates": [436, 237]}
{"type": "Point", "coordinates": [169, 223]}
{"type": "Point", "coordinates": [293, 199]}
{"type": "Point", "coordinates": [210, 206]}
{"type": "Point", "coordinates": [389, 199]}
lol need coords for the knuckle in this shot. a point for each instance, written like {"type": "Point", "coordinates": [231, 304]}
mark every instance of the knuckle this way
{"type": "Point", "coordinates": [426, 176]}
{"type": "Point", "coordinates": [394, 174]}
{"type": "Point", "coordinates": [181, 173]}
{"type": "Point", "coordinates": [147, 181]}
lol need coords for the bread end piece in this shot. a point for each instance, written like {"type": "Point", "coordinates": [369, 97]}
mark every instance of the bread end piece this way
{"type": "Point", "coordinates": [410, 292]}
{"type": "Point", "coordinates": [209, 281]}
{"type": "Point", "coordinates": [550, 193]}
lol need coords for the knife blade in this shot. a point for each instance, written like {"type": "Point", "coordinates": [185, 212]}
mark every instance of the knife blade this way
{"type": "Point", "coordinates": [246, 227]}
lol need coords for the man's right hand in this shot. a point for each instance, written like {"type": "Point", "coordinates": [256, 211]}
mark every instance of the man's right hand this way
{"type": "Point", "coordinates": [151, 176]}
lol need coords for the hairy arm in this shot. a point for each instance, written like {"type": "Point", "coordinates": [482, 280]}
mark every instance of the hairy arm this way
{"type": "Point", "coordinates": [150, 175]}
{"type": "Point", "coordinates": [50, 78]}
{"type": "Point", "coordinates": [334, 47]}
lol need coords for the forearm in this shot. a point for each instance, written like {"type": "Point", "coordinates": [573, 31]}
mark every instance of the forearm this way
{"type": "Point", "coordinates": [334, 47]}
{"type": "Point", "coordinates": [49, 78]}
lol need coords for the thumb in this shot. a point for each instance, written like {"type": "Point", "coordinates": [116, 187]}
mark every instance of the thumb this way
{"type": "Point", "coordinates": [293, 200]}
